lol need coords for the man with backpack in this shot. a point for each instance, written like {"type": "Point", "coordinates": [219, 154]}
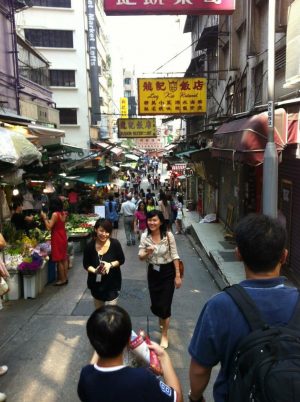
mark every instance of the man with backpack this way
{"type": "Point", "coordinates": [260, 354]}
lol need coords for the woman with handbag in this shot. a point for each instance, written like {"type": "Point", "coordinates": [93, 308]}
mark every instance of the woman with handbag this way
{"type": "Point", "coordinates": [158, 249]}
{"type": "Point", "coordinates": [102, 258]}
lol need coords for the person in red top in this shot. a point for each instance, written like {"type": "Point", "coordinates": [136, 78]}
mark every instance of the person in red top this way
{"type": "Point", "coordinates": [59, 240]}
{"type": "Point", "coordinates": [73, 200]}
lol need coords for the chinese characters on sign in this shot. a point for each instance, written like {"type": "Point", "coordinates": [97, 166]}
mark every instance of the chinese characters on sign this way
{"type": "Point", "coordinates": [136, 128]}
{"type": "Point", "coordinates": [124, 108]}
{"type": "Point", "coordinates": [171, 96]}
{"type": "Point", "coordinates": [141, 7]}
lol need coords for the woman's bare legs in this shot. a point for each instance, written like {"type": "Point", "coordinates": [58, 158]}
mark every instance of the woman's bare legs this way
{"type": "Point", "coordinates": [164, 343]}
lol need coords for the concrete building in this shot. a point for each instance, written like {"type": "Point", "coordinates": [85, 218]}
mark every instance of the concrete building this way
{"type": "Point", "coordinates": [24, 83]}
{"type": "Point", "coordinates": [225, 146]}
{"type": "Point", "coordinates": [71, 35]}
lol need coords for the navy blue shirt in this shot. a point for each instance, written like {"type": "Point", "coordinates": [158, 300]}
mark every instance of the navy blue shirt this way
{"type": "Point", "coordinates": [126, 384]}
{"type": "Point", "coordinates": [221, 325]}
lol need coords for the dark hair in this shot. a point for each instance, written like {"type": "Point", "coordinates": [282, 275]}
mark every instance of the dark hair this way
{"type": "Point", "coordinates": [56, 205]}
{"type": "Point", "coordinates": [163, 198]}
{"type": "Point", "coordinates": [163, 226]}
{"type": "Point", "coordinates": [105, 224]}
{"type": "Point", "coordinates": [180, 199]}
{"type": "Point", "coordinates": [109, 329]}
{"type": "Point", "coordinates": [150, 199]}
{"type": "Point", "coordinates": [139, 206]}
{"type": "Point", "coordinates": [261, 241]}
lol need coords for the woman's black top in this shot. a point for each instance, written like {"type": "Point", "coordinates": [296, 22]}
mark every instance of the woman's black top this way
{"type": "Point", "coordinates": [111, 283]}
{"type": "Point", "coordinates": [19, 221]}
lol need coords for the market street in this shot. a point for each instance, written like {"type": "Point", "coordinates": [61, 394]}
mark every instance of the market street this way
{"type": "Point", "coordinates": [44, 344]}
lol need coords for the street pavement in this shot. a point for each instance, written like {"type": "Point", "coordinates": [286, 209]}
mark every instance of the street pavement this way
{"type": "Point", "coordinates": [44, 344]}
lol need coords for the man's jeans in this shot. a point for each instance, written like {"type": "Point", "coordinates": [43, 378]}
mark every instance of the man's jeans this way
{"type": "Point", "coordinates": [129, 229]}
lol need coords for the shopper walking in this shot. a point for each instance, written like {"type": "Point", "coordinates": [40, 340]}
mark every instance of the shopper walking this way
{"type": "Point", "coordinates": [165, 207]}
{"type": "Point", "coordinates": [111, 211]}
{"type": "Point", "coordinates": [140, 218]}
{"type": "Point", "coordinates": [158, 249]}
{"type": "Point", "coordinates": [105, 253]}
{"type": "Point", "coordinates": [128, 210]}
{"type": "Point", "coordinates": [59, 240]}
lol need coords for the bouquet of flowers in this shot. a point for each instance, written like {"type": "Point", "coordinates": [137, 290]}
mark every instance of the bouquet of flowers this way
{"type": "Point", "coordinates": [31, 264]}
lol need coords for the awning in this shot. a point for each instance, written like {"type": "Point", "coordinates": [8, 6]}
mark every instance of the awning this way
{"type": "Point", "coordinates": [208, 38]}
{"type": "Point", "coordinates": [187, 153]}
{"type": "Point", "coordinates": [132, 157]}
{"type": "Point", "coordinates": [116, 151]}
{"type": "Point", "coordinates": [10, 117]}
{"type": "Point", "coordinates": [129, 165]}
{"type": "Point", "coordinates": [46, 132]}
{"type": "Point", "coordinates": [101, 144]}
{"type": "Point", "coordinates": [244, 140]}
{"type": "Point", "coordinates": [195, 66]}
{"type": "Point", "coordinates": [62, 149]}
{"type": "Point", "coordinates": [170, 146]}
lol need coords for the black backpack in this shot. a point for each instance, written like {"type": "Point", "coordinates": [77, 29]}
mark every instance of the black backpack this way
{"type": "Point", "coordinates": [266, 363]}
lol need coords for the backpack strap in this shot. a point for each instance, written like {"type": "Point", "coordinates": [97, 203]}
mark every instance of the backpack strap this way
{"type": "Point", "coordinates": [247, 307]}
{"type": "Point", "coordinates": [294, 322]}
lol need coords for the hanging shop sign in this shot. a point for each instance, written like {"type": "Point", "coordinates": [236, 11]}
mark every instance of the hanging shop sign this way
{"type": "Point", "coordinates": [158, 7]}
{"type": "Point", "coordinates": [124, 108]}
{"type": "Point", "coordinates": [179, 167]}
{"type": "Point", "coordinates": [172, 96]}
{"type": "Point", "coordinates": [93, 57]}
{"type": "Point", "coordinates": [136, 128]}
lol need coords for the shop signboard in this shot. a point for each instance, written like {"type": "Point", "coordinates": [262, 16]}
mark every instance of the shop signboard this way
{"type": "Point", "coordinates": [137, 128]}
{"type": "Point", "coordinates": [172, 96]}
{"type": "Point", "coordinates": [124, 108]}
{"type": "Point", "coordinates": [160, 7]}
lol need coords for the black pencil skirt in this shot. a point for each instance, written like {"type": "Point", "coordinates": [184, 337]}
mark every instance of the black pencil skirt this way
{"type": "Point", "coordinates": [161, 288]}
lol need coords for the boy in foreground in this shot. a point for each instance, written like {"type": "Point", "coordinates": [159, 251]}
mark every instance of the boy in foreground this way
{"type": "Point", "coordinates": [108, 380]}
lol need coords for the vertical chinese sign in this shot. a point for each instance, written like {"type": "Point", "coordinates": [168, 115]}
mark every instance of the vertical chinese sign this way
{"type": "Point", "coordinates": [172, 96]}
{"type": "Point", "coordinates": [160, 7]}
{"type": "Point", "coordinates": [93, 58]}
{"type": "Point", "coordinates": [124, 108]}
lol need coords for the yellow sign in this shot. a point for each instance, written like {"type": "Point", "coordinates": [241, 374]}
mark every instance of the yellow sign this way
{"type": "Point", "coordinates": [175, 96]}
{"type": "Point", "coordinates": [136, 128]}
{"type": "Point", "coordinates": [124, 108]}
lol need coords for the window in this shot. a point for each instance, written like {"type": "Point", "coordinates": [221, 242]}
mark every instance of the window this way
{"type": "Point", "coordinates": [62, 78]}
{"type": "Point", "coordinates": [49, 37]}
{"type": "Point", "coordinates": [230, 99]}
{"type": "Point", "coordinates": [241, 95]}
{"type": "Point", "coordinates": [52, 3]}
{"type": "Point", "coordinates": [127, 81]}
{"type": "Point", "coordinates": [67, 116]}
{"type": "Point", "coordinates": [127, 94]}
{"type": "Point", "coordinates": [258, 81]}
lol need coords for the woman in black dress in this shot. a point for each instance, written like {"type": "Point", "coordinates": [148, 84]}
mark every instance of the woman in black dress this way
{"type": "Point", "coordinates": [158, 249]}
{"type": "Point", "coordinates": [105, 252]}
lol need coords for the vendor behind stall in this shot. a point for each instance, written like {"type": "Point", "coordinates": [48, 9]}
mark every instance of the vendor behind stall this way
{"type": "Point", "coordinates": [19, 220]}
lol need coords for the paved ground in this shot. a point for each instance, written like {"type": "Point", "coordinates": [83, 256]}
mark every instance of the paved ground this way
{"type": "Point", "coordinates": [44, 344]}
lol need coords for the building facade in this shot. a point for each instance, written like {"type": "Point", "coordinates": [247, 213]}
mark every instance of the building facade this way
{"type": "Point", "coordinates": [71, 35]}
{"type": "Point", "coordinates": [232, 53]}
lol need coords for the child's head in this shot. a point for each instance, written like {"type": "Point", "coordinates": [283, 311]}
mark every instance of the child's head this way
{"type": "Point", "coordinates": [109, 329]}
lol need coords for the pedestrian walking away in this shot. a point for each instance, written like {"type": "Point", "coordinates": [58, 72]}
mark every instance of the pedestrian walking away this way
{"type": "Point", "coordinates": [158, 249]}
{"type": "Point", "coordinates": [128, 210]}
{"type": "Point", "coordinates": [222, 326]}
{"type": "Point", "coordinates": [102, 258]}
{"type": "Point", "coordinates": [107, 379]}
{"type": "Point", "coordinates": [111, 211]}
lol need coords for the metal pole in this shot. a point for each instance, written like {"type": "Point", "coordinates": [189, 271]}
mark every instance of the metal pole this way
{"type": "Point", "coordinates": [270, 168]}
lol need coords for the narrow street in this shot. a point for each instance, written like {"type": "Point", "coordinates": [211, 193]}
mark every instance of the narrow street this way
{"type": "Point", "coordinates": [43, 341]}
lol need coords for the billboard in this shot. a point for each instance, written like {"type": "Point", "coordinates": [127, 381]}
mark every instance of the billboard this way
{"type": "Point", "coordinates": [159, 7]}
{"type": "Point", "coordinates": [136, 128]}
{"type": "Point", "coordinates": [172, 96]}
{"type": "Point", "coordinates": [124, 108]}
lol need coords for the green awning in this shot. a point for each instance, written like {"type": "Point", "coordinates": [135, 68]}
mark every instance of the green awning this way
{"type": "Point", "coordinates": [187, 153]}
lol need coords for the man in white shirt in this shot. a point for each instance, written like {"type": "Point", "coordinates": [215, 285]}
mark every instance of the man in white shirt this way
{"type": "Point", "coordinates": [128, 210]}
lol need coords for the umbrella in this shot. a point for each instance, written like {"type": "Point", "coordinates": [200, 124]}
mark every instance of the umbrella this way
{"type": "Point", "coordinates": [16, 149]}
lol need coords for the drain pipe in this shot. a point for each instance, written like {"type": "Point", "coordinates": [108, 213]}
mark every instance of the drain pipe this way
{"type": "Point", "coordinates": [14, 52]}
